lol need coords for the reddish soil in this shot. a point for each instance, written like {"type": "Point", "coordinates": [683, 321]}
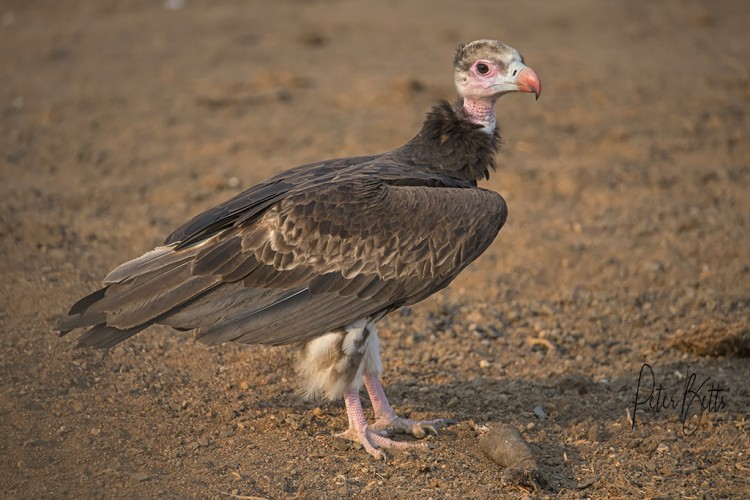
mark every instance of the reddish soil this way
{"type": "Point", "coordinates": [628, 242]}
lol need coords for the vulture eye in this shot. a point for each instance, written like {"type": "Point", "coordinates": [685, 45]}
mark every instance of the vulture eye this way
{"type": "Point", "coordinates": [482, 68]}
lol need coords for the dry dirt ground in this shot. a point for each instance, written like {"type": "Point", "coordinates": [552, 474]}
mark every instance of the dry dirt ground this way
{"type": "Point", "coordinates": [628, 242]}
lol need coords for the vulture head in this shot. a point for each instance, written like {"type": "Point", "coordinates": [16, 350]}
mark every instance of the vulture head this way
{"type": "Point", "coordinates": [486, 69]}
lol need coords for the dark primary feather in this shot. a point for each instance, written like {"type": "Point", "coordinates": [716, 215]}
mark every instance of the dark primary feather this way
{"type": "Point", "coordinates": [314, 248]}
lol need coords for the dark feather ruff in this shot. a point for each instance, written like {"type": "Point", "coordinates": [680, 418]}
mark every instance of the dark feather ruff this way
{"type": "Point", "coordinates": [450, 145]}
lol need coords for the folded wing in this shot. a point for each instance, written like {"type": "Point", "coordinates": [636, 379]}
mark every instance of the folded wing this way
{"type": "Point", "coordinates": [312, 257]}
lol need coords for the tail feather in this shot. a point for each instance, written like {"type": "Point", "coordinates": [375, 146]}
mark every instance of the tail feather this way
{"type": "Point", "coordinates": [136, 294]}
{"type": "Point", "coordinates": [77, 317]}
{"type": "Point", "coordinates": [104, 337]}
{"type": "Point", "coordinates": [149, 261]}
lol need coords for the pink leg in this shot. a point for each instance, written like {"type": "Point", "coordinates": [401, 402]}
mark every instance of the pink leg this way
{"type": "Point", "coordinates": [387, 420]}
{"type": "Point", "coordinates": [359, 432]}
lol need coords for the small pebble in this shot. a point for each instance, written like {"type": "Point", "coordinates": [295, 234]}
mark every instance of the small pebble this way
{"type": "Point", "coordinates": [340, 444]}
{"type": "Point", "coordinates": [595, 434]}
{"type": "Point", "coordinates": [539, 412]}
{"type": "Point", "coordinates": [141, 476]}
{"type": "Point", "coordinates": [226, 432]}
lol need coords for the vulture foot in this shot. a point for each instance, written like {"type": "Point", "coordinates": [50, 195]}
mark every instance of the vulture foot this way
{"type": "Point", "coordinates": [387, 420]}
{"type": "Point", "coordinates": [374, 443]}
{"type": "Point", "coordinates": [372, 440]}
{"type": "Point", "coordinates": [417, 428]}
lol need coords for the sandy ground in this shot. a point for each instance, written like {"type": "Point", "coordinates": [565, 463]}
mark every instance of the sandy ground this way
{"type": "Point", "coordinates": [628, 243]}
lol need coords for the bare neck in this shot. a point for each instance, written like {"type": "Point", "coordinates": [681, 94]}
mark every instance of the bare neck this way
{"type": "Point", "coordinates": [482, 112]}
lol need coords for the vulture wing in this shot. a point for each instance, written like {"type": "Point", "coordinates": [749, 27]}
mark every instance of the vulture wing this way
{"type": "Point", "coordinates": [297, 260]}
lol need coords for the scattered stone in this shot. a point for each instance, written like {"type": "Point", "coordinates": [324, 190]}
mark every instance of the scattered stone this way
{"type": "Point", "coordinates": [464, 426]}
{"type": "Point", "coordinates": [312, 39]}
{"type": "Point", "coordinates": [141, 477]}
{"type": "Point", "coordinates": [32, 443]}
{"type": "Point", "coordinates": [505, 446]}
{"type": "Point", "coordinates": [340, 444]}
{"type": "Point", "coordinates": [539, 412]}
{"type": "Point", "coordinates": [474, 317]}
{"type": "Point", "coordinates": [653, 266]}
{"type": "Point", "coordinates": [585, 483]}
{"type": "Point", "coordinates": [595, 433]}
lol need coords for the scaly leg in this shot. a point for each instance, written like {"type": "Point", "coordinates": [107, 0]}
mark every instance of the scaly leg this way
{"type": "Point", "coordinates": [387, 420]}
{"type": "Point", "coordinates": [359, 432]}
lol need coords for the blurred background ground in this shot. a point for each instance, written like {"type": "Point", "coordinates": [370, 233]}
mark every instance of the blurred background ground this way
{"type": "Point", "coordinates": [627, 243]}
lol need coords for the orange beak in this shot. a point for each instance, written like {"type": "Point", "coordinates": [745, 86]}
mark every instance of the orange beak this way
{"type": "Point", "coordinates": [528, 81]}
